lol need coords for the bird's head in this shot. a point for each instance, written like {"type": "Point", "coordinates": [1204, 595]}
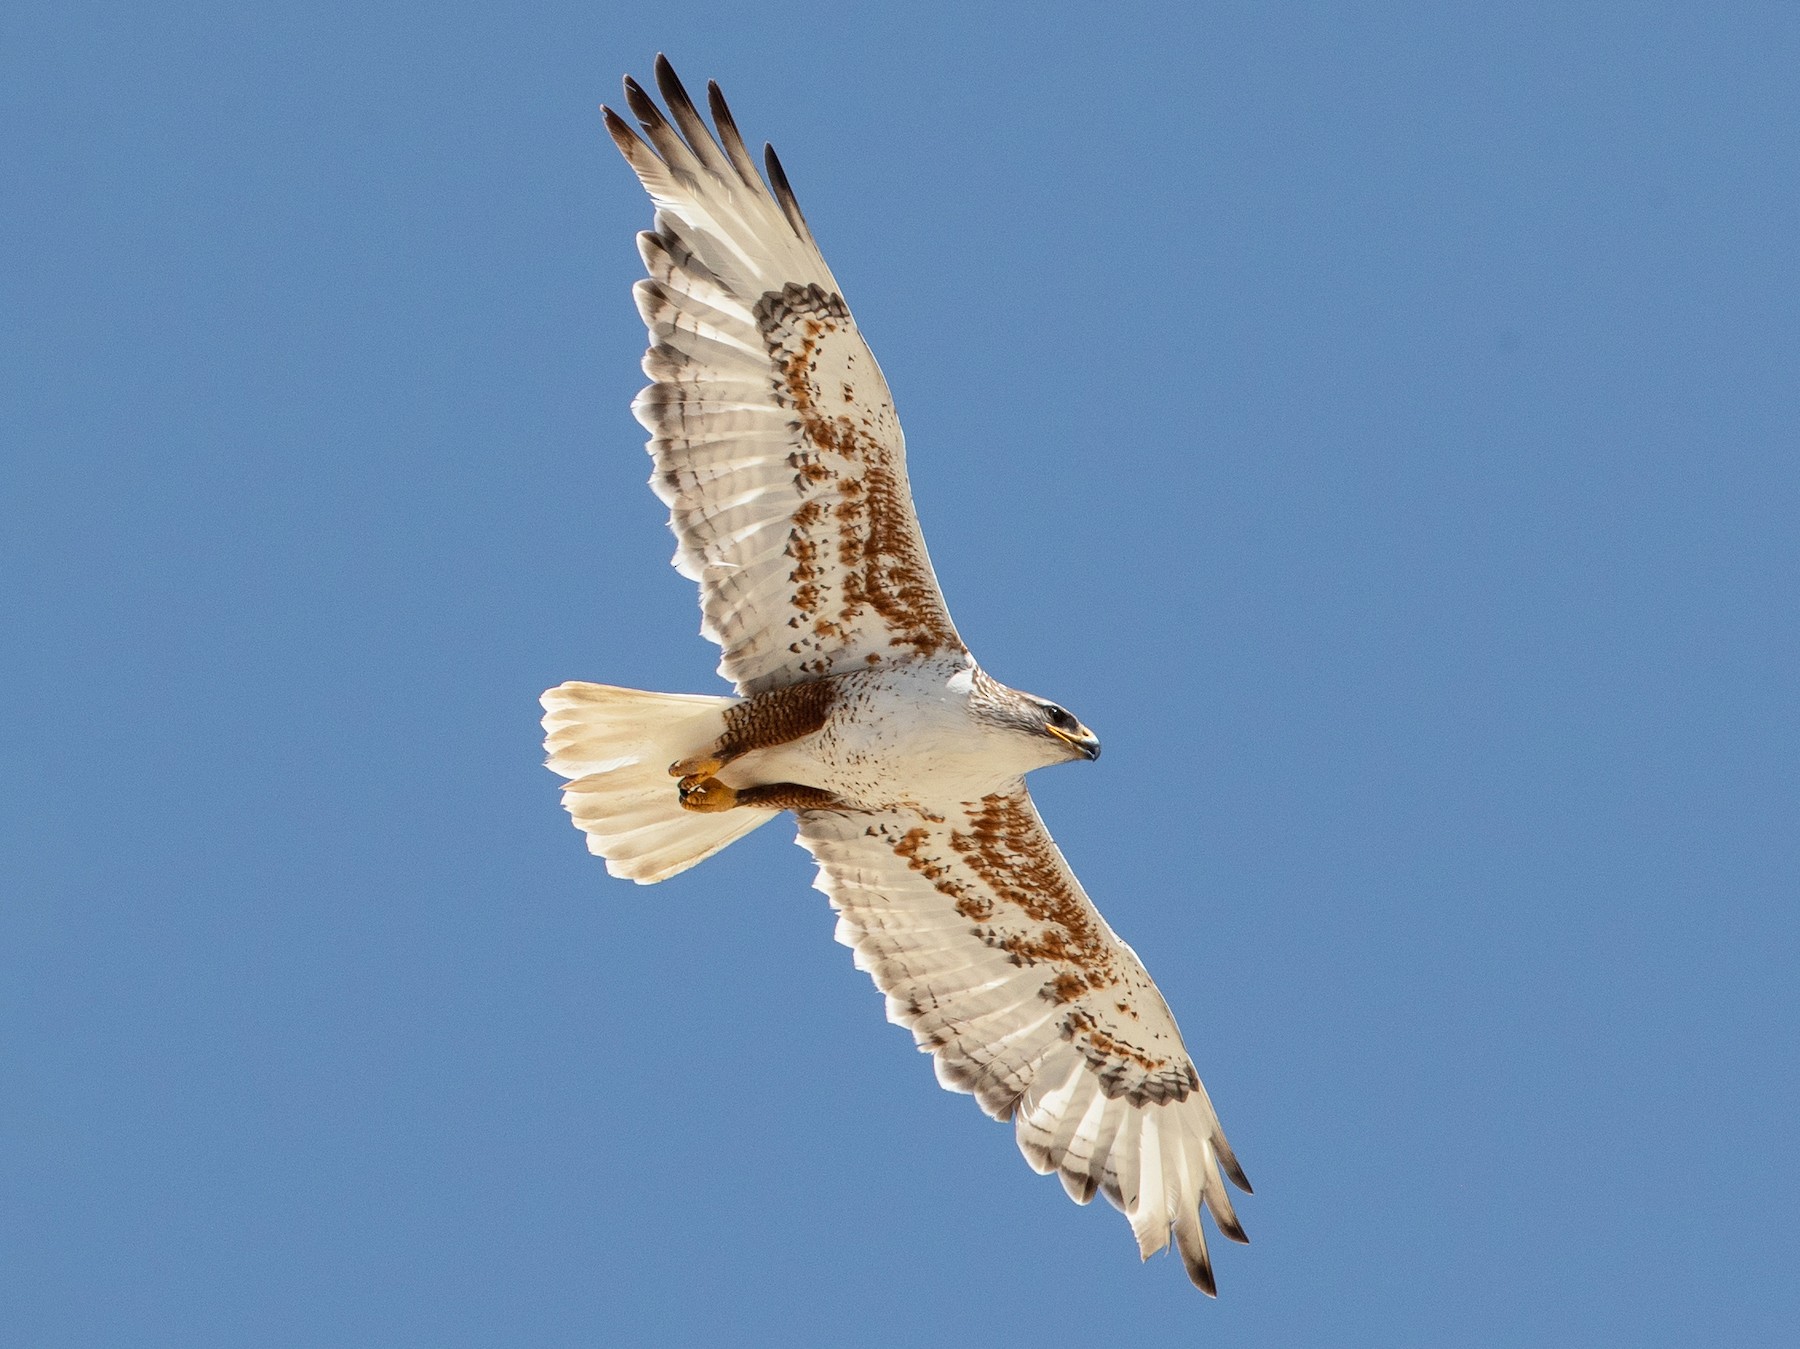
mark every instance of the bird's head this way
{"type": "Point", "coordinates": [1060, 725]}
{"type": "Point", "coordinates": [1042, 731]}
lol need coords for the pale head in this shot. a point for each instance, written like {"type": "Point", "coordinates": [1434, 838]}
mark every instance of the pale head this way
{"type": "Point", "coordinates": [1037, 731]}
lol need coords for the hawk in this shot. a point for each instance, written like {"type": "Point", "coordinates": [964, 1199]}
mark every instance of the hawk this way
{"type": "Point", "coordinates": [859, 708]}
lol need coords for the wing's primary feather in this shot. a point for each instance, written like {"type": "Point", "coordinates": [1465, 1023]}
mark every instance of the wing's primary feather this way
{"type": "Point", "coordinates": [990, 952]}
{"type": "Point", "coordinates": [777, 448]}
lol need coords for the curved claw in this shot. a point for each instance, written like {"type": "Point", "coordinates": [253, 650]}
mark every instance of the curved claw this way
{"type": "Point", "coordinates": [696, 766]}
{"type": "Point", "coordinates": [705, 794]}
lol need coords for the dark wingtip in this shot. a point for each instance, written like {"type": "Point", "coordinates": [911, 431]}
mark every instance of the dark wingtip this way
{"type": "Point", "coordinates": [1200, 1274]}
{"type": "Point", "coordinates": [619, 129]}
{"type": "Point", "coordinates": [784, 192]}
{"type": "Point", "coordinates": [642, 106]}
{"type": "Point", "coordinates": [777, 175]}
{"type": "Point", "coordinates": [1229, 1162]}
{"type": "Point", "coordinates": [674, 92]}
{"type": "Point", "coordinates": [1232, 1229]}
{"type": "Point", "coordinates": [729, 135]}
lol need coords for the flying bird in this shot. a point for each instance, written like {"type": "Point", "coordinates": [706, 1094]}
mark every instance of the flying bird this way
{"type": "Point", "coordinates": [860, 709]}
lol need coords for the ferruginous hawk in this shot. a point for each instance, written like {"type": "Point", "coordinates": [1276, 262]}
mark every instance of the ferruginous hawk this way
{"type": "Point", "coordinates": [858, 707]}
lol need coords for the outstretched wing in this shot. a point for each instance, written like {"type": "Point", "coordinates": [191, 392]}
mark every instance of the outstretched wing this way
{"type": "Point", "coordinates": [992, 954]}
{"type": "Point", "coordinates": [776, 445]}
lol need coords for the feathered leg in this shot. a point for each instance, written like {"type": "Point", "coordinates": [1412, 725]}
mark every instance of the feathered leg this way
{"type": "Point", "coordinates": [709, 794]}
{"type": "Point", "coordinates": [758, 722]}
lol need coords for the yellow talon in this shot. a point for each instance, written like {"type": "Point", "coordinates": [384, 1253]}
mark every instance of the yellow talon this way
{"type": "Point", "coordinates": [697, 767]}
{"type": "Point", "coordinates": [705, 794]}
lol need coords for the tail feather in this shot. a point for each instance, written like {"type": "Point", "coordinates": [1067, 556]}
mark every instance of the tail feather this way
{"type": "Point", "coordinates": [615, 745]}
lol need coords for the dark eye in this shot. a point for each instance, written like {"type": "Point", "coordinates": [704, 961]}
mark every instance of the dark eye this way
{"type": "Point", "coordinates": [1058, 717]}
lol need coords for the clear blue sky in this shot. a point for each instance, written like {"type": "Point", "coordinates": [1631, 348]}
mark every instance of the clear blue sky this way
{"type": "Point", "coordinates": [1378, 422]}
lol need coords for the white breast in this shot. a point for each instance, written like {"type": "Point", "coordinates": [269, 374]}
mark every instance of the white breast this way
{"type": "Point", "coordinates": [899, 736]}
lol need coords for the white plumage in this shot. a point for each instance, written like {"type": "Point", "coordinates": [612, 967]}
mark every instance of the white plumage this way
{"type": "Point", "coordinates": [779, 455]}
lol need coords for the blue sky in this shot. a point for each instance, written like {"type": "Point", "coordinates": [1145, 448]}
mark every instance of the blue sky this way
{"type": "Point", "coordinates": [1378, 422]}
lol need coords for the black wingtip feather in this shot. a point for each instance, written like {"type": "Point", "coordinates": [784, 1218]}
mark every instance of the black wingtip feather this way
{"type": "Point", "coordinates": [1199, 1272]}
{"type": "Point", "coordinates": [687, 116]}
{"type": "Point", "coordinates": [620, 130]}
{"type": "Point", "coordinates": [642, 106]}
{"type": "Point", "coordinates": [670, 83]}
{"type": "Point", "coordinates": [784, 192]}
{"type": "Point", "coordinates": [1235, 1173]}
{"type": "Point", "coordinates": [729, 135]}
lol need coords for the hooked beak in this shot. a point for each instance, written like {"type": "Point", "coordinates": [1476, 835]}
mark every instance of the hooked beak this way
{"type": "Point", "coordinates": [1083, 741]}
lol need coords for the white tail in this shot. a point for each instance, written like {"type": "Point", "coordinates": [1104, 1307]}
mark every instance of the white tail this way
{"type": "Point", "coordinates": [616, 745]}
